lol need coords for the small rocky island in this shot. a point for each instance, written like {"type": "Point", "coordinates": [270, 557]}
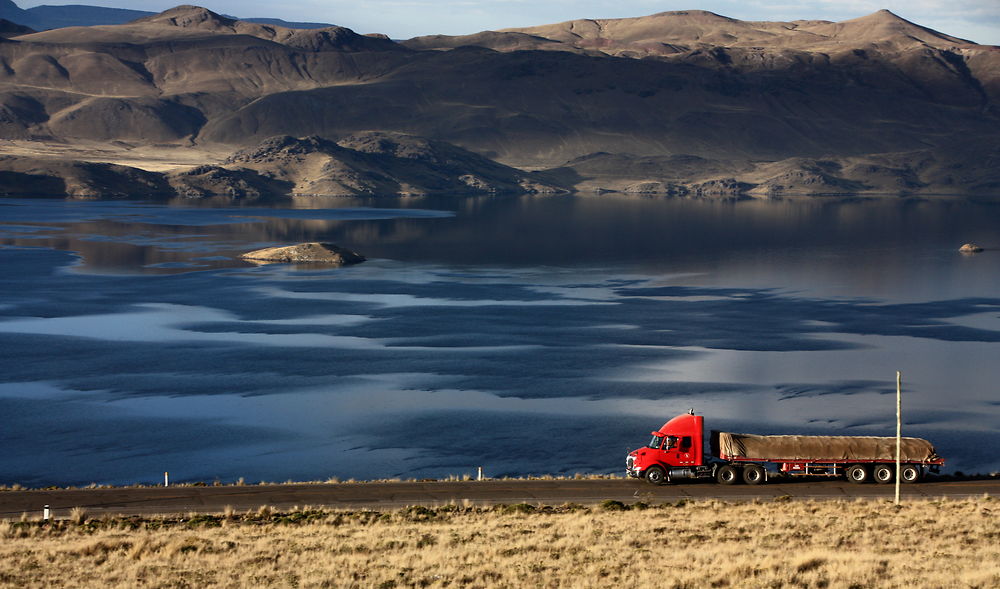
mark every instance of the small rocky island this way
{"type": "Point", "coordinates": [307, 253]}
{"type": "Point", "coordinates": [970, 248]}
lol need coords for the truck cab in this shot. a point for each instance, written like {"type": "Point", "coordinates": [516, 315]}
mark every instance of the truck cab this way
{"type": "Point", "coordinates": [676, 450]}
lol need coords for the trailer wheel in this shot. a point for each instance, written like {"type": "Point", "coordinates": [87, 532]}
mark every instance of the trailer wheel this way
{"type": "Point", "coordinates": [753, 474]}
{"type": "Point", "coordinates": [656, 475]}
{"type": "Point", "coordinates": [909, 473]}
{"type": "Point", "coordinates": [857, 473]}
{"type": "Point", "coordinates": [727, 475]}
{"type": "Point", "coordinates": [884, 473]}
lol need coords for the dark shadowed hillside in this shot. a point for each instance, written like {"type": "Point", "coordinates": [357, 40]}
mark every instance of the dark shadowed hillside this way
{"type": "Point", "coordinates": [11, 29]}
{"type": "Point", "coordinates": [680, 102]}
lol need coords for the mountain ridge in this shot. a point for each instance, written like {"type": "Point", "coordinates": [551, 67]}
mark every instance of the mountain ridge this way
{"type": "Point", "coordinates": [673, 32]}
{"type": "Point", "coordinates": [188, 22]}
{"type": "Point", "coordinates": [46, 17]}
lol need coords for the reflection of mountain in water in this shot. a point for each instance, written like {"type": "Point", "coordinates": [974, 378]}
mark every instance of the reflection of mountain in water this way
{"type": "Point", "coordinates": [531, 230]}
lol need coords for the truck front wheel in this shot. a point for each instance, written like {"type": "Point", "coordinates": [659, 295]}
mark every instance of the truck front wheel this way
{"type": "Point", "coordinates": [753, 474]}
{"type": "Point", "coordinates": [857, 473]}
{"type": "Point", "coordinates": [656, 475]}
{"type": "Point", "coordinates": [727, 475]}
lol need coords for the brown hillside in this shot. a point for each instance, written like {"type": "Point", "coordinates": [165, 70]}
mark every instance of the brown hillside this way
{"type": "Point", "coordinates": [187, 23]}
{"type": "Point", "coordinates": [375, 163]}
{"type": "Point", "coordinates": [677, 32]}
{"type": "Point", "coordinates": [697, 28]}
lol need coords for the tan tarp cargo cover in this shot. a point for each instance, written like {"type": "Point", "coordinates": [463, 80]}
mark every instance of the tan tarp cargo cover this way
{"type": "Point", "coordinates": [785, 448]}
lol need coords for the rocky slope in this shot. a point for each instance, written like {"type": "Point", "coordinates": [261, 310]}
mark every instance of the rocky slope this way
{"type": "Point", "coordinates": [375, 163]}
{"type": "Point", "coordinates": [684, 102]}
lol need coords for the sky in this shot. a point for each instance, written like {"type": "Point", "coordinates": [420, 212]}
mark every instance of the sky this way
{"type": "Point", "coordinates": [976, 20]}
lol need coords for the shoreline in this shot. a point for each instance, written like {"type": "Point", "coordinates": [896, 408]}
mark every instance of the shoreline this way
{"type": "Point", "coordinates": [93, 170]}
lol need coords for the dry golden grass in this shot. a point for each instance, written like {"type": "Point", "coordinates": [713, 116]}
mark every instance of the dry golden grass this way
{"type": "Point", "coordinates": [951, 543]}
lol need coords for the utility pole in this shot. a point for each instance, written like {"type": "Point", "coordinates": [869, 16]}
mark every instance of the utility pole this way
{"type": "Point", "coordinates": [899, 428]}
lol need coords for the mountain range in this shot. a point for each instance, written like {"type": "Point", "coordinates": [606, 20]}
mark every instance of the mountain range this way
{"type": "Point", "coordinates": [685, 103]}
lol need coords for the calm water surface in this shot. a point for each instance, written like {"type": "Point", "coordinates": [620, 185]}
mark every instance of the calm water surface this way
{"type": "Point", "coordinates": [523, 334]}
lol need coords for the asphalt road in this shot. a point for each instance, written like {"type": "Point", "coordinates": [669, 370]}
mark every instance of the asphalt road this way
{"type": "Point", "coordinates": [160, 500]}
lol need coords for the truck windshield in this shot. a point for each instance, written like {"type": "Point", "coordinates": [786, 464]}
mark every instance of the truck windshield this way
{"type": "Point", "coordinates": [655, 442]}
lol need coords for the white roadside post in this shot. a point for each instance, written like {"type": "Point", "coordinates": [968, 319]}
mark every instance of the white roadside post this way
{"type": "Point", "coordinates": [899, 428]}
{"type": "Point", "coordinates": [45, 514]}
{"type": "Point", "coordinates": [166, 479]}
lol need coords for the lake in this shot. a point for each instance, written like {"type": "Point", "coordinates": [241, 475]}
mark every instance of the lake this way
{"type": "Point", "coordinates": [526, 335]}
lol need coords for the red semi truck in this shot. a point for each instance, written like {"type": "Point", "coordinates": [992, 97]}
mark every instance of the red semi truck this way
{"type": "Point", "coordinates": [676, 451]}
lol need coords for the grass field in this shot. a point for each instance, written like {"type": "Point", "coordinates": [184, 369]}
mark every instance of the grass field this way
{"type": "Point", "coordinates": [948, 543]}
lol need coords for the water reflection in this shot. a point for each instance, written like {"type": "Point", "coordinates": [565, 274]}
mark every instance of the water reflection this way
{"type": "Point", "coordinates": [871, 243]}
{"type": "Point", "coordinates": [526, 317]}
